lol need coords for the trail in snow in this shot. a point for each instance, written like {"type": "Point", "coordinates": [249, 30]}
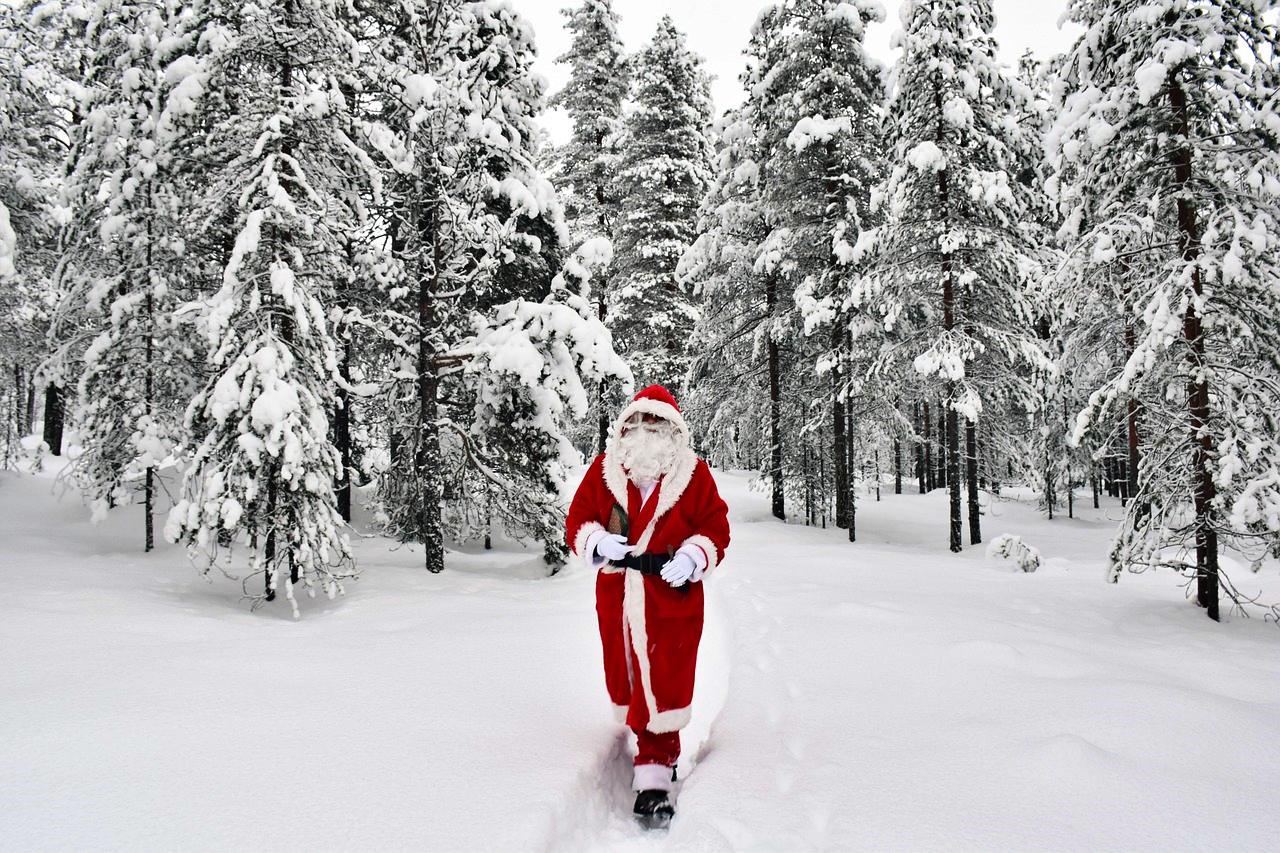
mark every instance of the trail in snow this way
{"type": "Point", "coordinates": [596, 812]}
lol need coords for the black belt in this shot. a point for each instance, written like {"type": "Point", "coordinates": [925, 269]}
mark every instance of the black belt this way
{"type": "Point", "coordinates": [645, 564]}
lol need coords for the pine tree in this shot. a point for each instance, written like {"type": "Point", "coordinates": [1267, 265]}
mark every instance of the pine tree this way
{"type": "Point", "coordinates": [949, 289]}
{"type": "Point", "coordinates": [33, 92]}
{"type": "Point", "coordinates": [598, 84]}
{"type": "Point", "coordinates": [124, 253]}
{"type": "Point", "coordinates": [476, 232]}
{"type": "Point", "coordinates": [735, 389]}
{"type": "Point", "coordinates": [263, 467]}
{"type": "Point", "coordinates": [666, 156]}
{"type": "Point", "coordinates": [1168, 153]}
{"type": "Point", "coordinates": [822, 161]}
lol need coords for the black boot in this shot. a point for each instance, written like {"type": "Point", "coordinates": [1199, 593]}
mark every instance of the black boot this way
{"type": "Point", "coordinates": [654, 809]}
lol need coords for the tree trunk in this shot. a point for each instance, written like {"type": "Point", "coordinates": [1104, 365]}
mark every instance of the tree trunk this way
{"type": "Point", "coordinates": [342, 429]}
{"type": "Point", "coordinates": [53, 406]}
{"type": "Point", "coordinates": [149, 479]}
{"type": "Point", "coordinates": [1198, 393]}
{"type": "Point", "coordinates": [897, 466]}
{"type": "Point", "coordinates": [428, 461]}
{"type": "Point", "coordinates": [775, 409]}
{"type": "Point", "coordinates": [851, 468]}
{"type": "Point", "coordinates": [971, 474]}
{"type": "Point", "coordinates": [269, 551]}
{"type": "Point", "coordinates": [29, 411]}
{"type": "Point", "coordinates": [920, 465]}
{"type": "Point", "coordinates": [1132, 419]}
{"type": "Point", "coordinates": [19, 395]}
{"type": "Point", "coordinates": [840, 467]}
{"type": "Point", "coordinates": [928, 483]}
{"type": "Point", "coordinates": [949, 324]}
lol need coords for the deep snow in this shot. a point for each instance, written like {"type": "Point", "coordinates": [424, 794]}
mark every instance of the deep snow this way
{"type": "Point", "coordinates": [885, 694]}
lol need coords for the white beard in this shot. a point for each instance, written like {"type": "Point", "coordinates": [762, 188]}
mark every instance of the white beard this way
{"type": "Point", "coordinates": [649, 451]}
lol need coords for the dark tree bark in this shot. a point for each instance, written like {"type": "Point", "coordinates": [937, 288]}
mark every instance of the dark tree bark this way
{"type": "Point", "coordinates": [29, 412]}
{"type": "Point", "coordinates": [897, 466]}
{"type": "Point", "coordinates": [1198, 393]}
{"type": "Point", "coordinates": [808, 487]}
{"type": "Point", "coordinates": [775, 409]}
{"type": "Point", "coordinates": [971, 474]}
{"type": "Point", "coordinates": [269, 551]}
{"type": "Point", "coordinates": [840, 466]}
{"type": "Point", "coordinates": [428, 461]}
{"type": "Point", "coordinates": [19, 396]}
{"type": "Point", "coordinates": [929, 481]}
{"type": "Point", "coordinates": [920, 447]}
{"type": "Point", "coordinates": [149, 479]}
{"type": "Point", "coordinates": [54, 401]}
{"type": "Point", "coordinates": [852, 478]}
{"type": "Point", "coordinates": [949, 324]}
{"type": "Point", "coordinates": [342, 429]}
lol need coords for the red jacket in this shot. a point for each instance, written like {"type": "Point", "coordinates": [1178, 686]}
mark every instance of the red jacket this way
{"type": "Point", "coordinates": [684, 509]}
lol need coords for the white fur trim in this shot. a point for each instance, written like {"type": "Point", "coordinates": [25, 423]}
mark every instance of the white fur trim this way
{"type": "Point", "coordinates": [652, 777]}
{"type": "Point", "coordinates": [669, 721]}
{"type": "Point", "coordinates": [580, 542]}
{"type": "Point", "coordinates": [649, 406]}
{"type": "Point", "coordinates": [620, 713]}
{"type": "Point", "coordinates": [708, 547]}
{"type": "Point", "coordinates": [633, 618]}
{"type": "Point", "coordinates": [616, 479]}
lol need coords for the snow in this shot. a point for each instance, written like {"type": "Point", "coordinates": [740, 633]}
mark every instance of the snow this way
{"type": "Point", "coordinates": [883, 694]}
{"type": "Point", "coordinates": [8, 244]}
{"type": "Point", "coordinates": [927, 157]}
{"type": "Point", "coordinates": [1150, 77]}
{"type": "Point", "coordinates": [816, 130]}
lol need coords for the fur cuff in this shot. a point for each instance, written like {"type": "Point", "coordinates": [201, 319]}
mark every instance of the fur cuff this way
{"type": "Point", "coordinates": [652, 777]}
{"type": "Point", "coordinates": [708, 547]}
{"type": "Point", "coordinates": [580, 539]}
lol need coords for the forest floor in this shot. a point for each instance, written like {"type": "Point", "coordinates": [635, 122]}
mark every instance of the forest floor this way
{"type": "Point", "coordinates": [885, 694]}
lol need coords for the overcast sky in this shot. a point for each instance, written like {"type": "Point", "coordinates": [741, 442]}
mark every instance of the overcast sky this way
{"type": "Point", "coordinates": [718, 31]}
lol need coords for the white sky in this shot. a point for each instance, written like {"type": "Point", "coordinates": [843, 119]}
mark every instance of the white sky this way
{"type": "Point", "coordinates": [718, 31]}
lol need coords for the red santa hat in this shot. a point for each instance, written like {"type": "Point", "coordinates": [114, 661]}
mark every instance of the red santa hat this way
{"type": "Point", "coordinates": [654, 400]}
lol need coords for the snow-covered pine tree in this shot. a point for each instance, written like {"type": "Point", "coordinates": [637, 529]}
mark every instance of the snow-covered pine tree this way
{"type": "Point", "coordinates": [736, 381]}
{"type": "Point", "coordinates": [728, 387]}
{"type": "Point", "coordinates": [44, 66]}
{"type": "Point", "coordinates": [665, 155]}
{"type": "Point", "coordinates": [953, 253]}
{"type": "Point", "coordinates": [593, 96]}
{"type": "Point", "coordinates": [821, 148]}
{"type": "Point", "coordinates": [475, 230]}
{"type": "Point", "coordinates": [124, 252]}
{"type": "Point", "coordinates": [1168, 153]}
{"type": "Point", "coordinates": [532, 369]}
{"type": "Point", "coordinates": [264, 468]}
{"type": "Point", "coordinates": [33, 94]}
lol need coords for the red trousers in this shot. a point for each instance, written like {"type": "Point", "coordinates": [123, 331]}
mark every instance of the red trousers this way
{"type": "Point", "coordinates": [657, 748]}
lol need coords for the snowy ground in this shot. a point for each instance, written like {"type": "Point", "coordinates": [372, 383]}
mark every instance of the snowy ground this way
{"type": "Point", "coordinates": [879, 695]}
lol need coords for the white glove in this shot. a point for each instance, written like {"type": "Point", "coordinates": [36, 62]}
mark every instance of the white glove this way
{"type": "Point", "coordinates": [613, 546]}
{"type": "Point", "coordinates": [679, 569]}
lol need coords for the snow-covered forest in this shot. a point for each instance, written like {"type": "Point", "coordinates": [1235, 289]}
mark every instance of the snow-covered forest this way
{"type": "Point", "coordinates": [303, 313]}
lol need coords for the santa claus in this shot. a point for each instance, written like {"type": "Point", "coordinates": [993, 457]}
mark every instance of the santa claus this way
{"type": "Point", "coordinates": [649, 518]}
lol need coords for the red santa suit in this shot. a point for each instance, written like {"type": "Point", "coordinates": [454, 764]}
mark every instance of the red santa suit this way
{"type": "Point", "coordinates": [650, 630]}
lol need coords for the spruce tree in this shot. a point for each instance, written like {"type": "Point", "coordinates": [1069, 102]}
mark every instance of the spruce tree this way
{"type": "Point", "coordinates": [124, 254]}
{"type": "Point", "coordinates": [598, 84]}
{"type": "Point", "coordinates": [1168, 156]}
{"type": "Point", "coordinates": [263, 466]}
{"type": "Point", "coordinates": [665, 154]}
{"type": "Point", "coordinates": [949, 289]}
